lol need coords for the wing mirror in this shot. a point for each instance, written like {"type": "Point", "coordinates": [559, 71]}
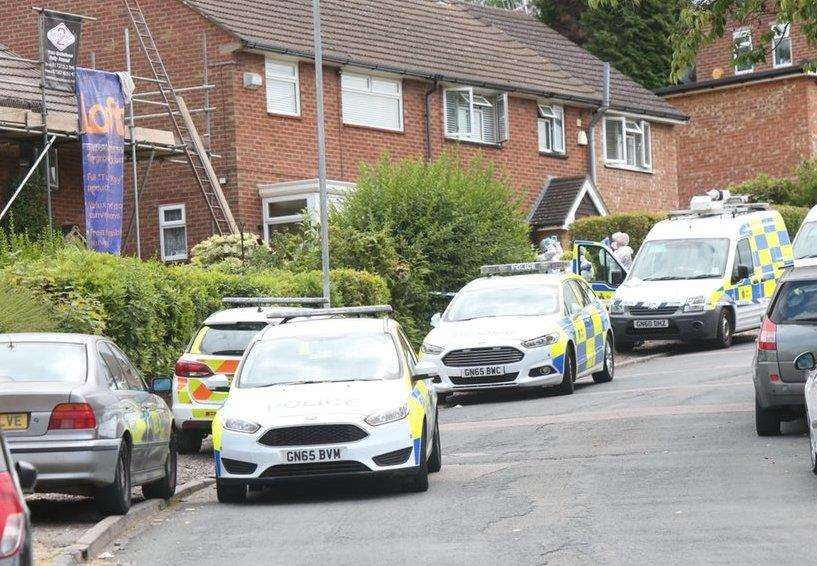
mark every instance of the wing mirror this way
{"type": "Point", "coordinates": [435, 320]}
{"type": "Point", "coordinates": [27, 474]}
{"type": "Point", "coordinates": [161, 385]}
{"type": "Point", "coordinates": [218, 382]}
{"type": "Point", "coordinates": [425, 370]}
{"type": "Point", "coordinates": [805, 362]}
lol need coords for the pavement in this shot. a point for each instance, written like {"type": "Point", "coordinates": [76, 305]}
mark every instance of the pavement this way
{"type": "Point", "coordinates": [662, 465]}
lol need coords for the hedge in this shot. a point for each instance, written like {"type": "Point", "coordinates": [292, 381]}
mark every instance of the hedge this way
{"type": "Point", "coordinates": [151, 310]}
{"type": "Point", "coordinates": [638, 224]}
{"type": "Point", "coordinates": [596, 228]}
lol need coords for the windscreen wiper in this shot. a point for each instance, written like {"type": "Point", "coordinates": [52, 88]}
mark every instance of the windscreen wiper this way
{"type": "Point", "coordinates": [287, 383]}
{"type": "Point", "coordinates": [227, 353]}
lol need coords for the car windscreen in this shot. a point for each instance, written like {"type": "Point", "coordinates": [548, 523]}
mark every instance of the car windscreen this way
{"type": "Point", "coordinates": [43, 361]}
{"type": "Point", "coordinates": [315, 359]}
{"type": "Point", "coordinates": [681, 259]}
{"type": "Point", "coordinates": [805, 243]}
{"type": "Point", "coordinates": [796, 303]}
{"type": "Point", "coordinates": [225, 339]}
{"type": "Point", "coordinates": [522, 300]}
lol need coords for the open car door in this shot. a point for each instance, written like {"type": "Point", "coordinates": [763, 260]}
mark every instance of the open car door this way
{"type": "Point", "coordinates": [595, 263]}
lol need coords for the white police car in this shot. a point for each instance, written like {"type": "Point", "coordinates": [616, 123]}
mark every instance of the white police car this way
{"type": "Point", "coordinates": [536, 326]}
{"type": "Point", "coordinates": [322, 395]}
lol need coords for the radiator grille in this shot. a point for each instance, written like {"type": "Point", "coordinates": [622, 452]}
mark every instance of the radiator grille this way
{"type": "Point", "coordinates": [311, 435]}
{"type": "Point", "coordinates": [484, 379]}
{"type": "Point", "coordinates": [660, 311]}
{"type": "Point", "coordinates": [482, 357]}
{"type": "Point", "coordinates": [316, 469]}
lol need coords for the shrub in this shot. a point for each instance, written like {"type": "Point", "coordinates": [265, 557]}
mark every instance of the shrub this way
{"type": "Point", "coordinates": [596, 228]}
{"type": "Point", "coordinates": [768, 189]}
{"type": "Point", "coordinates": [793, 216]}
{"type": "Point", "coordinates": [24, 311]}
{"type": "Point", "coordinates": [16, 246]}
{"type": "Point", "coordinates": [229, 253]}
{"type": "Point", "coordinates": [152, 310]}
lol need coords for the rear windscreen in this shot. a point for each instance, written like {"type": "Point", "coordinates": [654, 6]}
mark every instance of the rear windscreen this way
{"type": "Point", "coordinates": [42, 361]}
{"type": "Point", "coordinates": [796, 303]}
{"type": "Point", "coordinates": [225, 339]}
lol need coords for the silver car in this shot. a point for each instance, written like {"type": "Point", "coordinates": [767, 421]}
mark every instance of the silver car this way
{"type": "Point", "coordinates": [788, 329]}
{"type": "Point", "coordinates": [75, 407]}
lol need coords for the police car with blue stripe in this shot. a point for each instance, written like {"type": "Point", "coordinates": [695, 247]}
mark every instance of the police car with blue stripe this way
{"type": "Point", "coordinates": [521, 326]}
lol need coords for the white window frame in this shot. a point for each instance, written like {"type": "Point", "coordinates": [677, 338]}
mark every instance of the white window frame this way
{"type": "Point", "coordinates": [163, 225]}
{"type": "Point", "coordinates": [310, 209]}
{"type": "Point", "coordinates": [643, 128]}
{"type": "Point", "coordinates": [550, 113]}
{"type": "Point", "coordinates": [778, 38]}
{"type": "Point", "coordinates": [736, 35]}
{"type": "Point", "coordinates": [369, 92]}
{"type": "Point", "coordinates": [478, 99]}
{"type": "Point", "coordinates": [295, 79]}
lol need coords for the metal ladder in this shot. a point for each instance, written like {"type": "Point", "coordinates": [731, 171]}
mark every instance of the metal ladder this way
{"type": "Point", "coordinates": [185, 128]}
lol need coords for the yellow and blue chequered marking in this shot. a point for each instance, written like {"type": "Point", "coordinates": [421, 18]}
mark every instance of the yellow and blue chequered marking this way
{"type": "Point", "coordinates": [419, 404]}
{"type": "Point", "coordinates": [587, 334]}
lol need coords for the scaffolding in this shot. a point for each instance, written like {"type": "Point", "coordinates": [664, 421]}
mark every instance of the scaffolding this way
{"type": "Point", "coordinates": [50, 122]}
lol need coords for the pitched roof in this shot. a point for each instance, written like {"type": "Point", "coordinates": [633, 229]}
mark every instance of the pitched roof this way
{"type": "Point", "coordinates": [625, 93]}
{"type": "Point", "coordinates": [557, 199]}
{"type": "Point", "coordinates": [26, 93]}
{"type": "Point", "coordinates": [447, 40]}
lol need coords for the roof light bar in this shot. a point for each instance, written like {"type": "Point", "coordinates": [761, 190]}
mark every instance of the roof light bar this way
{"type": "Point", "coordinates": [258, 301]}
{"type": "Point", "coordinates": [528, 267]}
{"type": "Point", "coordinates": [338, 311]}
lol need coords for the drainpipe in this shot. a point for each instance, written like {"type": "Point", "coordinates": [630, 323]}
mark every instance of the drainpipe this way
{"type": "Point", "coordinates": [427, 117]}
{"type": "Point", "coordinates": [597, 115]}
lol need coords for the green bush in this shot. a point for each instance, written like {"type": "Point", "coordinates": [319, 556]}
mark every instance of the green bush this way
{"type": "Point", "coordinates": [793, 216]}
{"type": "Point", "coordinates": [228, 253]}
{"type": "Point", "coordinates": [25, 311]}
{"type": "Point", "coordinates": [768, 189]}
{"type": "Point", "coordinates": [17, 246]}
{"type": "Point", "coordinates": [596, 228]}
{"type": "Point", "coordinates": [151, 310]}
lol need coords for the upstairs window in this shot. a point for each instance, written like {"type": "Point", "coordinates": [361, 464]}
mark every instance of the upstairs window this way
{"type": "Point", "coordinates": [627, 143]}
{"type": "Point", "coordinates": [742, 44]}
{"type": "Point", "coordinates": [781, 45]}
{"type": "Point", "coordinates": [173, 232]}
{"type": "Point", "coordinates": [282, 87]}
{"type": "Point", "coordinates": [475, 116]}
{"type": "Point", "coordinates": [374, 102]}
{"type": "Point", "coordinates": [551, 129]}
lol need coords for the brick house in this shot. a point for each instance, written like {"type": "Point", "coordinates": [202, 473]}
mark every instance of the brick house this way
{"type": "Point", "coordinates": [746, 119]}
{"type": "Point", "coordinates": [406, 77]}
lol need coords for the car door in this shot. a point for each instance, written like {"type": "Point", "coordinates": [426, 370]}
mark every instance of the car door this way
{"type": "Point", "coordinates": [575, 312]}
{"type": "Point", "coordinates": [422, 390]}
{"type": "Point", "coordinates": [594, 324]}
{"type": "Point", "coordinates": [604, 274]}
{"type": "Point", "coordinates": [750, 303]}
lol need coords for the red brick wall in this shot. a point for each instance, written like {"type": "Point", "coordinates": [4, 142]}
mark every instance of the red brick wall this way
{"type": "Point", "coordinates": [736, 133]}
{"type": "Point", "coordinates": [718, 55]}
{"type": "Point", "coordinates": [260, 148]}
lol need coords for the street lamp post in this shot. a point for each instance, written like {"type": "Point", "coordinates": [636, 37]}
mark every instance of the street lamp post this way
{"type": "Point", "coordinates": [324, 206]}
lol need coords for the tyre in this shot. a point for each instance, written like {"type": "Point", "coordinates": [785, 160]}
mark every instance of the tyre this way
{"type": "Point", "coordinates": [607, 372]}
{"type": "Point", "coordinates": [114, 499]}
{"type": "Point", "coordinates": [190, 441]}
{"type": "Point", "coordinates": [231, 493]}
{"type": "Point", "coordinates": [164, 487]}
{"type": "Point", "coordinates": [418, 482]}
{"type": "Point", "coordinates": [624, 345]}
{"type": "Point", "coordinates": [435, 461]}
{"type": "Point", "coordinates": [569, 374]}
{"type": "Point", "coordinates": [723, 338]}
{"type": "Point", "coordinates": [767, 421]}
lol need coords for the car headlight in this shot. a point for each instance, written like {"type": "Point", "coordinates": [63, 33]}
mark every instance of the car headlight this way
{"type": "Point", "coordinates": [695, 304]}
{"type": "Point", "coordinates": [431, 349]}
{"type": "Point", "coordinates": [388, 416]}
{"type": "Point", "coordinates": [539, 341]}
{"type": "Point", "coordinates": [617, 307]}
{"type": "Point", "coordinates": [241, 425]}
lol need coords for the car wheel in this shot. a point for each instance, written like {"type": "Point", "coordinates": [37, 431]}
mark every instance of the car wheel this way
{"type": "Point", "coordinates": [231, 493]}
{"type": "Point", "coordinates": [435, 461]}
{"type": "Point", "coordinates": [767, 421]}
{"type": "Point", "coordinates": [190, 441]}
{"type": "Point", "coordinates": [608, 371]}
{"type": "Point", "coordinates": [569, 374]}
{"type": "Point", "coordinates": [723, 339]}
{"type": "Point", "coordinates": [419, 479]}
{"type": "Point", "coordinates": [165, 487]}
{"type": "Point", "coordinates": [115, 499]}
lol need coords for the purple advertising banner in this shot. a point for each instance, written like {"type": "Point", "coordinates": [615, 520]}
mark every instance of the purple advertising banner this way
{"type": "Point", "coordinates": [102, 132]}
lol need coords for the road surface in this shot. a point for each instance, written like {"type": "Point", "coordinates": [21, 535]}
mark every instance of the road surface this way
{"type": "Point", "coordinates": [661, 466]}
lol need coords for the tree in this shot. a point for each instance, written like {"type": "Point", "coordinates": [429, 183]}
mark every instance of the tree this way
{"type": "Point", "coordinates": [701, 22]}
{"type": "Point", "coordinates": [564, 16]}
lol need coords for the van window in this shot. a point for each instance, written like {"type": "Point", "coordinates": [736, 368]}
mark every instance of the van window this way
{"type": "Point", "coordinates": [805, 243]}
{"type": "Point", "coordinates": [681, 259]}
{"type": "Point", "coordinates": [743, 258]}
{"type": "Point", "coordinates": [226, 339]}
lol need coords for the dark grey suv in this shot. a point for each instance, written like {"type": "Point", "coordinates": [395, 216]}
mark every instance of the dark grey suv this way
{"type": "Point", "coordinates": [789, 328]}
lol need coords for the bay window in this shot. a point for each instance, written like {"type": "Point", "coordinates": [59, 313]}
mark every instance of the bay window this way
{"type": "Point", "coordinates": [627, 143]}
{"type": "Point", "coordinates": [475, 116]}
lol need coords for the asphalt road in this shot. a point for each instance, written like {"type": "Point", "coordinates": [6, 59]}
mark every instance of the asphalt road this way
{"type": "Point", "coordinates": [660, 466]}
